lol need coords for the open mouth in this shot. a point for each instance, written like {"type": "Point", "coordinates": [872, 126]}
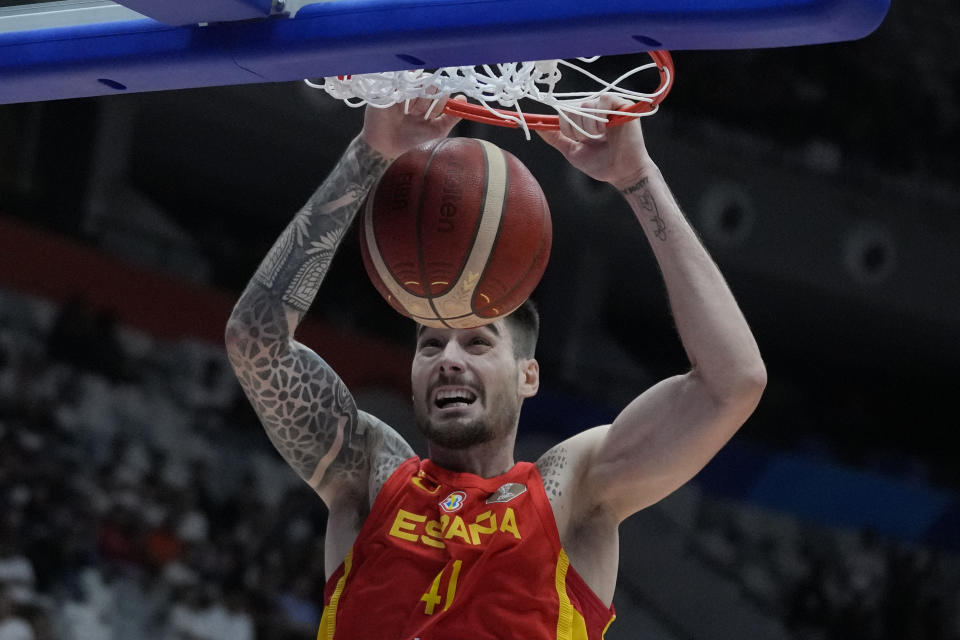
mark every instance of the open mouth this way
{"type": "Point", "coordinates": [454, 397]}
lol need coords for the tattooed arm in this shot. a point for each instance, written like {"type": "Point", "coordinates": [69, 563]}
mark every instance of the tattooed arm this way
{"type": "Point", "coordinates": [668, 433]}
{"type": "Point", "coordinates": [307, 411]}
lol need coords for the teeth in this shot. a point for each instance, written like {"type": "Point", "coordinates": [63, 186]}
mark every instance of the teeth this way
{"type": "Point", "coordinates": [447, 397]}
{"type": "Point", "coordinates": [447, 394]}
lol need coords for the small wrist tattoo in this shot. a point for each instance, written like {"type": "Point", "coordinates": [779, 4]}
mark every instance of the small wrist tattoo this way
{"type": "Point", "coordinates": [641, 194]}
{"type": "Point", "coordinates": [637, 186]}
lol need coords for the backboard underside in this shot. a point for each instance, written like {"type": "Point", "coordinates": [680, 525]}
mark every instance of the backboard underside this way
{"type": "Point", "coordinates": [78, 48]}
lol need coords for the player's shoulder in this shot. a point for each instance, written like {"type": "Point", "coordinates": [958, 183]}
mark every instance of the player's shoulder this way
{"type": "Point", "coordinates": [564, 455]}
{"type": "Point", "coordinates": [386, 449]}
{"type": "Point", "coordinates": [562, 465]}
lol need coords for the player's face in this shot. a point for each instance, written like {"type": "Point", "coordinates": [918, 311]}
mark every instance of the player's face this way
{"type": "Point", "coordinates": [467, 384]}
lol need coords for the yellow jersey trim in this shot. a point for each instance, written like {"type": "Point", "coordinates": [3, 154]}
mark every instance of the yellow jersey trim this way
{"type": "Point", "coordinates": [609, 622]}
{"type": "Point", "coordinates": [570, 622]}
{"type": "Point", "coordinates": [328, 621]}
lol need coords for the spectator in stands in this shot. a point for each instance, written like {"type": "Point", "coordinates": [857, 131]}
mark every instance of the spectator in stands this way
{"type": "Point", "coordinates": [208, 385]}
{"type": "Point", "coordinates": [106, 353]}
{"type": "Point", "coordinates": [88, 339]}
{"type": "Point", "coordinates": [79, 618]}
{"type": "Point", "coordinates": [297, 612]}
{"type": "Point", "coordinates": [17, 576]}
{"type": "Point", "coordinates": [121, 533]}
{"type": "Point", "coordinates": [7, 365]}
{"type": "Point", "coordinates": [161, 545]}
{"type": "Point", "coordinates": [12, 627]}
{"type": "Point", "coordinates": [71, 333]}
{"type": "Point", "coordinates": [238, 623]}
{"type": "Point", "coordinates": [193, 617]}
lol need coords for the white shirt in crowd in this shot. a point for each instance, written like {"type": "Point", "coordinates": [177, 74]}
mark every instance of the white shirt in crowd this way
{"type": "Point", "coordinates": [15, 629]}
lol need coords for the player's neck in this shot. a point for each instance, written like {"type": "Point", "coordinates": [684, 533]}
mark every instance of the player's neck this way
{"type": "Point", "coordinates": [485, 460]}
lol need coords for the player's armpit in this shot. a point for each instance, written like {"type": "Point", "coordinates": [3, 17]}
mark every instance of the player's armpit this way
{"type": "Point", "coordinates": [387, 451]}
{"type": "Point", "coordinates": [562, 469]}
{"type": "Point", "coordinates": [305, 408]}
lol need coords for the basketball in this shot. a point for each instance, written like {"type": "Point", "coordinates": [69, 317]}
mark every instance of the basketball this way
{"type": "Point", "coordinates": [456, 234]}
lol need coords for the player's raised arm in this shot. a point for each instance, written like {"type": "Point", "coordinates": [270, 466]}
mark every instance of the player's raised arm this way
{"type": "Point", "coordinates": [670, 432]}
{"type": "Point", "coordinates": [307, 411]}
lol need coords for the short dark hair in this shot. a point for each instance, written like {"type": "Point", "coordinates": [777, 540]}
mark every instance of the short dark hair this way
{"type": "Point", "coordinates": [524, 323]}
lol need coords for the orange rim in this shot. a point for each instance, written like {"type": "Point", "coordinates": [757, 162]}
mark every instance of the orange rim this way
{"type": "Point", "coordinates": [543, 122]}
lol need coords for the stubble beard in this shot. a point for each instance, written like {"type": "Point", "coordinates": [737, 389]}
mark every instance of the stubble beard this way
{"type": "Point", "coordinates": [455, 436]}
{"type": "Point", "coordinates": [463, 435]}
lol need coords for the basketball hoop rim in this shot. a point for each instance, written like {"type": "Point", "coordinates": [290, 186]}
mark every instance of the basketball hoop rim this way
{"type": "Point", "coordinates": [551, 122]}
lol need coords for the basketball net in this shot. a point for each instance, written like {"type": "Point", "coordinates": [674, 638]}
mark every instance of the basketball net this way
{"type": "Point", "coordinates": [505, 85]}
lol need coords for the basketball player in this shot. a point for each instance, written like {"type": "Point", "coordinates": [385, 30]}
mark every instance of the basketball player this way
{"type": "Point", "coordinates": [468, 543]}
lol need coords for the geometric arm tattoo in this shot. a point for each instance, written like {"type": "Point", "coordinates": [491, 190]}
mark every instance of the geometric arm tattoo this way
{"type": "Point", "coordinates": [552, 467]}
{"type": "Point", "coordinates": [305, 408]}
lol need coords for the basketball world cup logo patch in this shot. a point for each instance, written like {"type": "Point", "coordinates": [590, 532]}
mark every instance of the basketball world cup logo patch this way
{"type": "Point", "coordinates": [507, 492]}
{"type": "Point", "coordinates": [453, 502]}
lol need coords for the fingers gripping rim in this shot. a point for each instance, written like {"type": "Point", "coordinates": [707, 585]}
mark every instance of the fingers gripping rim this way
{"type": "Point", "coordinates": [507, 84]}
{"type": "Point", "coordinates": [550, 122]}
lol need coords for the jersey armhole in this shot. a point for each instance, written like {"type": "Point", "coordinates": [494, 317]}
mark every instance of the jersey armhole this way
{"type": "Point", "coordinates": [388, 491]}
{"type": "Point", "coordinates": [545, 511]}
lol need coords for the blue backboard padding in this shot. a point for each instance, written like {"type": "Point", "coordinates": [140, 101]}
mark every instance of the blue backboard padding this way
{"type": "Point", "coordinates": [357, 36]}
{"type": "Point", "coordinates": [197, 11]}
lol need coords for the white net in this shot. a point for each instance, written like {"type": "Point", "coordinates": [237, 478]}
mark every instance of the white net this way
{"type": "Point", "coordinates": [489, 85]}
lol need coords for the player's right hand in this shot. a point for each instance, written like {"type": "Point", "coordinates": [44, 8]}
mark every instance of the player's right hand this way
{"type": "Point", "coordinates": [397, 129]}
{"type": "Point", "coordinates": [618, 155]}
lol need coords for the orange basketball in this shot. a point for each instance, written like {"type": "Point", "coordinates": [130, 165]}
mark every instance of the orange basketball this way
{"type": "Point", "coordinates": [456, 234]}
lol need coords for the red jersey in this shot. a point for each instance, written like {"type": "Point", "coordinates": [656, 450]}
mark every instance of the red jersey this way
{"type": "Point", "coordinates": [451, 556]}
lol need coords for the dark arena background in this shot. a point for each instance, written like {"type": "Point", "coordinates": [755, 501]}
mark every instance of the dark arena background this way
{"type": "Point", "coordinates": [139, 498]}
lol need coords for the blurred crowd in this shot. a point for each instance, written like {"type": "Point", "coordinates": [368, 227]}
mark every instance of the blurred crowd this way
{"type": "Point", "coordinates": [139, 499]}
{"type": "Point", "coordinates": [128, 508]}
{"type": "Point", "coordinates": [825, 583]}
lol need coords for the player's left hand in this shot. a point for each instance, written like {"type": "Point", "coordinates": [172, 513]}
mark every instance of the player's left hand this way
{"type": "Point", "coordinates": [619, 156]}
{"type": "Point", "coordinates": [397, 129]}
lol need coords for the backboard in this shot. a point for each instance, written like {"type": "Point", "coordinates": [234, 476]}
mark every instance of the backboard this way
{"type": "Point", "coordinates": [75, 48]}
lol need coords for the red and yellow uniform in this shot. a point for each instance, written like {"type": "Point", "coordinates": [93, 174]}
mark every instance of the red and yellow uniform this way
{"type": "Point", "coordinates": [449, 556]}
